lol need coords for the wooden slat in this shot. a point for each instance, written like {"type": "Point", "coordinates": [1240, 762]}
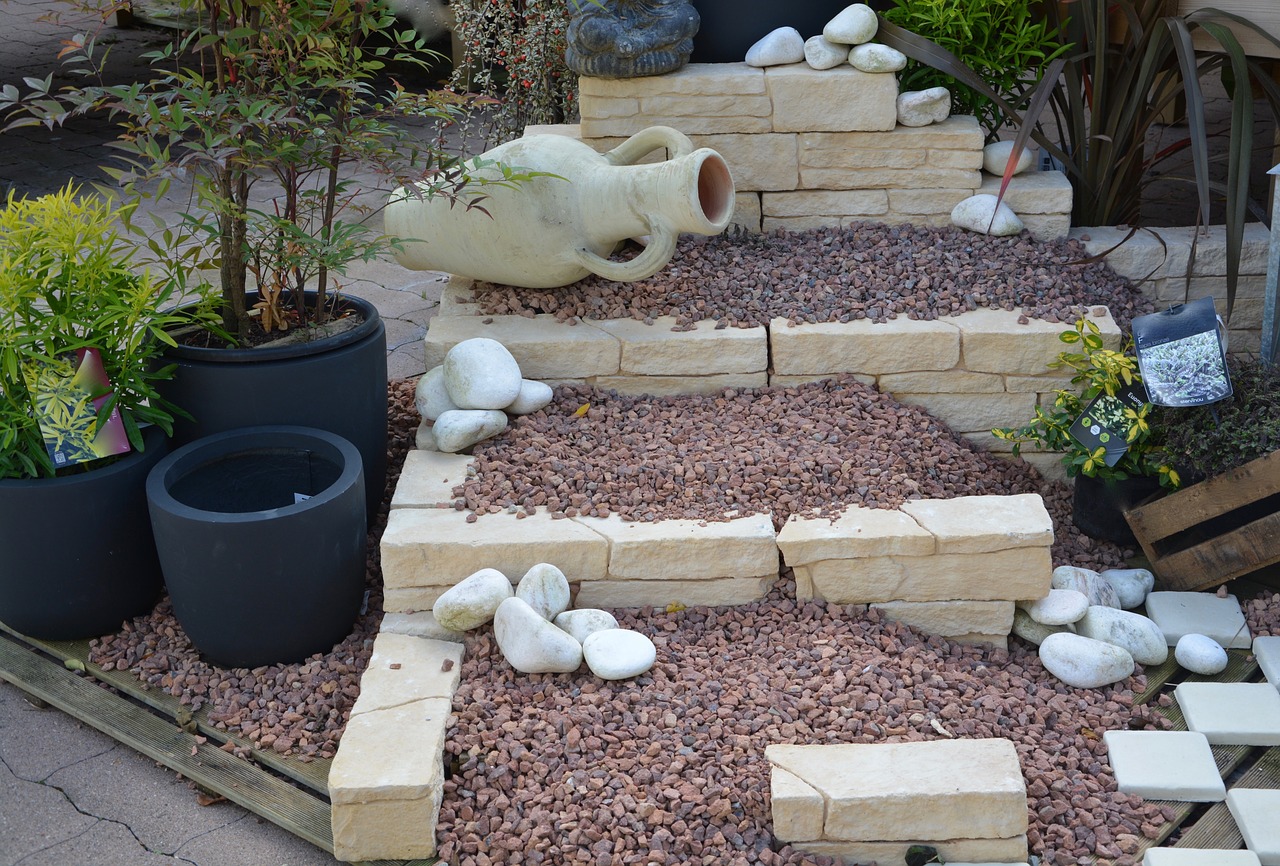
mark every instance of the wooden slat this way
{"type": "Point", "coordinates": [1185, 508]}
{"type": "Point", "coordinates": [1224, 557]}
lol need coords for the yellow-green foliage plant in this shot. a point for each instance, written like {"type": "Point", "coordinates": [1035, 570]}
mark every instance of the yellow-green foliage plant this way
{"type": "Point", "coordinates": [1098, 371]}
{"type": "Point", "coordinates": [66, 284]}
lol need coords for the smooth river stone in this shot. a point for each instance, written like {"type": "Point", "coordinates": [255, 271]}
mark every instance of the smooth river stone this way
{"type": "Point", "coordinates": [585, 621]}
{"type": "Point", "coordinates": [458, 429]}
{"type": "Point", "coordinates": [1082, 662]}
{"type": "Point", "coordinates": [431, 397]}
{"type": "Point", "coordinates": [1087, 581]}
{"type": "Point", "coordinates": [545, 589]}
{"type": "Point", "coordinates": [534, 395]}
{"type": "Point", "coordinates": [984, 214]}
{"type": "Point", "coordinates": [1200, 654]}
{"type": "Point", "coordinates": [531, 644]}
{"type": "Point", "coordinates": [1059, 607]}
{"type": "Point", "coordinates": [481, 374]}
{"type": "Point", "coordinates": [995, 157]}
{"type": "Point", "coordinates": [472, 601]}
{"type": "Point", "coordinates": [1031, 631]}
{"type": "Point", "coordinates": [923, 107]}
{"type": "Point", "coordinates": [618, 653]}
{"type": "Point", "coordinates": [777, 48]}
{"type": "Point", "coordinates": [1140, 636]}
{"type": "Point", "coordinates": [425, 438]}
{"type": "Point", "coordinates": [820, 53]}
{"type": "Point", "coordinates": [853, 25]}
{"type": "Point", "coordinates": [874, 57]}
{"type": "Point", "coordinates": [1131, 585]}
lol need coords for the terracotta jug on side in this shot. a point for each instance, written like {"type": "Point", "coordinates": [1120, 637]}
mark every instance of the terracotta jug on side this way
{"type": "Point", "coordinates": [553, 231]}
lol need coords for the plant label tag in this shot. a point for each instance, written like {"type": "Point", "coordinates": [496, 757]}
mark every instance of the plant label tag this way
{"type": "Point", "coordinates": [1103, 424]}
{"type": "Point", "coordinates": [1181, 355]}
{"type": "Point", "coordinates": [69, 395]}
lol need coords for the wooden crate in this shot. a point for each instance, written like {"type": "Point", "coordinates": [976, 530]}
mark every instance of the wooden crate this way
{"type": "Point", "coordinates": [1214, 531]}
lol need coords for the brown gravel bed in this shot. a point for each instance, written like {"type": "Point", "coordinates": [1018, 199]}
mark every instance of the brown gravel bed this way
{"type": "Point", "coordinates": [866, 270]}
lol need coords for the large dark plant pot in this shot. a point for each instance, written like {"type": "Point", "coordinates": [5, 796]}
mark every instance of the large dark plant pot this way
{"type": "Point", "coordinates": [730, 27]}
{"type": "Point", "coordinates": [77, 554]}
{"type": "Point", "coordinates": [1098, 506]}
{"type": "Point", "coordinates": [259, 574]}
{"type": "Point", "coordinates": [336, 383]}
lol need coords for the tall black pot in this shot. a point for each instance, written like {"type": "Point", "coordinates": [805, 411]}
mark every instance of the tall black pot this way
{"type": "Point", "coordinates": [77, 553]}
{"type": "Point", "coordinates": [261, 535]}
{"type": "Point", "coordinates": [336, 383]}
{"type": "Point", "coordinates": [730, 27]}
{"type": "Point", "coordinates": [1098, 505]}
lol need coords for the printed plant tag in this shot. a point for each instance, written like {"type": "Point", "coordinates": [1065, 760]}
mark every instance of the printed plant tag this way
{"type": "Point", "coordinates": [1103, 423]}
{"type": "Point", "coordinates": [1181, 355]}
{"type": "Point", "coordinates": [68, 395]}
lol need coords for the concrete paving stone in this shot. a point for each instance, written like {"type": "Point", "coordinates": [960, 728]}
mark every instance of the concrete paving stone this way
{"type": "Point", "coordinates": [1199, 857]}
{"type": "Point", "coordinates": [406, 362]}
{"type": "Point", "coordinates": [1267, 651]}
{"type": "Point", "coordinates": [34, 817]}
{"type": "Point", "coordinates": [1255, 811]}
{"type": "Point", "coordinates": [106, 843]}
{"type": "Point", "coordinates": [1165, 765]}
{"type": "Point", "coordinates": [1232, 714]}
{"type": "Point", "coordinates": [1180, 613]}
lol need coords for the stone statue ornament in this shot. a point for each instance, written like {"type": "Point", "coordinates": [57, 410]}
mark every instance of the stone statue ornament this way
{"type": "Point", "coordinates": [556, 228]}
{"type": "Point", "coordinates": [629, 38]}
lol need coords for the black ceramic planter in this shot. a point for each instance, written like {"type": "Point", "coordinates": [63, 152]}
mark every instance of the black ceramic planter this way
{"type": "Point", "coordinates": [336, 383]}
{"type": "Point", "coordinates": [1098, 506]}
{"type": "Point", "coordinates": [78, 558]}
{"type": "Point", "coordinates": [261, 536]}
{"type": "Point", "coordinates": [730, 27]}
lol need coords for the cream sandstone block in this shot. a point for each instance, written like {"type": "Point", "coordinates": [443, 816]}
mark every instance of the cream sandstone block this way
{"type": "Point", "coordinates": [1011, 851]}
{"type": "Point", "coordinates": [952, 618]}
{"type": "Point", "coordinates": [1249, 286]}
{"type": "Point", "coordinates": [1005, 575]}
{"type": "Point", "coordinates": [798, 810]}
{"type": "Point", "coordinates": [942, 382]}
{"type": "Point", "coordinates": [1033, 192]}
{"type": "Point", "coordinates": [687, 549]}
{"type": "Point", "coordinates": [954, 159]}
{"type": "Point", "coordinates": [456, 298]}
{"type": "Point", "coordinates": [935, 789]}
{"type": "Point", "coordinates": [993, 341]}
{"type": "Point", "coordinates": [807, 203]}
{"type": "Point", "coordinates": [421, 623]}
{"type": "Point", "coordinates": [867, 158]}
{"type": "Point", "coordinates": [1047, 227]}
{"type": "Point", "coordinates": [434, 547]}
{"type": "Point", "coordinates": [776, 381]}
{"type": "Point", "coordinates": [958, 132]}
{"type": "Point", "coordinates": [975, 411]}
{"type": "Point", "coordinates": [862, 346]}
{"type": "Point", "coordinates": [997, 641]}
{"type": "Point", "coordinates": [663, 386]}
{"type": "Point", "coordinates": [840, 99]}
{"type": "Point", "coordinates": [657, 350]}
{"type": "Point", "coordinates": [812, 177]}
{"type": "Point", "coordinates": [692, 79]}
{"type": "Point", "coordinates": [412, 600]}
{"type": "Point", "coordinates": [544, 348]}
{"type": "Point", "coordinates": [746, 210]}
{"type": "Point", "coordinates": [857, 532]}
{"type": "Point", "coordinates": [1140, 256]}
{"type": "Point", "coordinates": [386, 782]}
{"type": "Point", "coordinates": [403, 669]}
{"type": "Point", "coordinates": [800, 224]}
{"type": "Point", "coordinates": [764, 161]}
{"type": "Point", "coordinates": [927, 201]}
{"type": "Point", "coordinates": [428, 478]}
{"type": "Point", "coordinates": [661, 593]}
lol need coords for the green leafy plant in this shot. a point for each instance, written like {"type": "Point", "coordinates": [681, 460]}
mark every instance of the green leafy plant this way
{"type": "Point", "coordinates": [66, 283]}
{"type": "Point", "coordinates": [1003, 41]}
{"type": "Point", "coordinates": [1098, 371]}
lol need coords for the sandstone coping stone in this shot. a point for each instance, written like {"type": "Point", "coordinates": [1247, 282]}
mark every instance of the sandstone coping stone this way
{"type": "Point", "coordinates": [687, 549]}
{"type": "Point", "coordinates": [992, 341]}
{"type": "Point", "coordinates": [657, 350]}
{"type": "Point", "coordinates": [933, 789]}
{"type": "Point", "coordinates": [840, 99]}
{"type": "Point", "coordinates": [944, 382]}
{"type": "Point", "coordinates": [543, 347]}
{"type": "Point", "coordinates": [437, 548]}
{"type": "Point", "coordinates": [661, 386]}
{"type": "Point", "coordinates": [1047, 227]}
{"type": "Point", "coordinates": [975, 411]}
{"type": "Point", "coordinates": [798, 809]}
{"type": "Point", "coordinates": [855, 532]}
{"type": "Point", "coordinates": [1005, 575]}
{"type": "Point", "coordinates": [404, 669]}
{"type": "Point", "coordinates": [456, 298]}
{"type": "Point", "coordinates": [692, 79]}
{"type": "Point", "coordinates": [428, 478]}
{"type": "Point", "coordinates": [1033, 192]}
{"type": "Point", "coordinates": [999, 852]}
{"type": "Point", "coordinates": [387, 780]}
{"type": "Point", "coordinates": [816, 203]}
{"type": "Point", "coordinates": [761, 161]}
{"type": "Point", "coordinates": [421, 623]}
{"type": "Point", "coordinates": [661, 593]}
{"type": "Point", "coordinates": [953, 619]}
{"type": "Point", "coordinates": [982, 524]}
{"type": "Point", "coordinates": [818, 177]}
{"type": "Point", "coordinates": [863, 346]}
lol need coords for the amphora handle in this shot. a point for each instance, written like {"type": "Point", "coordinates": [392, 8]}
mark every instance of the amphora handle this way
{"type": "Point", "coordinates": [646, 141]}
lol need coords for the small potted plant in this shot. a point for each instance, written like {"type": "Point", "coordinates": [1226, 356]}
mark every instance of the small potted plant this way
{"type": "Point", "coordinates": [82, 419]}
{"type": "Point", "coordinates": [1103, 432]}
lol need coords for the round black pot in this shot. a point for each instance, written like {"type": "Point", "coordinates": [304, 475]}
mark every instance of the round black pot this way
{"type": "Point", "coordinates": [259, 574]}
{"type": "Point", "coordinates": [1098, 506]}
{"type": "Point", "coordinates": [335, 383]}
{"type": "Point", "coordinates": [77, 551]}
{"type": "Point", "coordinates": [730, 27]}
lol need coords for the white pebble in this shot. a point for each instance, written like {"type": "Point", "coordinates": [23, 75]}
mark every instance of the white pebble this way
{"type": "Point", "coordinates": [981, 213]}
{"type": "Point", "coordinates": [1085, 580]}
{"type": "Point", "coordinates": [545, 589]}
{"type": "Point", "coordinates": [461, 428]}
{"type": "Point", "coordinates": [877, 58]}
{"type": "Point", "coordinates": [1083, 662]}
{"type": "Point", "coordinates": [472, 601]}
{"type": "Point", "coordinates": [853, 25]}
{"type": "Point", "coordinates": [1200, 654]}
{"type": "Point", "coordinates": [430, 396]}
{"type": "Point", "coordinates": [777, 48]}
{"type": "Point", "coordinates": [1059, 607]}
{"type": "Point", "coordinates": [822, 54]}
{"type": "Point", "coordinates": [995, 157]}
{"type": "Point", "coordinates": [1136, 633]}
{"type": "Point", "coordinates": [1132, 585]}
{"type": "Point", "coordinates": [618, 653]}
{"type": "Point", "coordinates": [534, 395]}
{"type": "Point", "coordinates": [481, 374]}
{"type": "Point", "coordinates": [532, 645]}
{"type": "Point", "coordinates": [584, 621]}
{"type": "Point", "coordinates": [923, 107]}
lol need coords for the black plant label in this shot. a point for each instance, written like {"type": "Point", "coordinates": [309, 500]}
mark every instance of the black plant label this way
{"type": "Point", "coordinates": [1102, 424]}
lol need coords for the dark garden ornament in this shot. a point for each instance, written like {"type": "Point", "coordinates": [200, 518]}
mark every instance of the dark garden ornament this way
{"type": "Point", "coordinates": [629, 38]}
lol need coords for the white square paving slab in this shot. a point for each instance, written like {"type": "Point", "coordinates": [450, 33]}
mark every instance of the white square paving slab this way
{"type": "Point", "coordinates": [1180, 613]}
{"type": "Point", "coordinates": [1257, 814]}
{"type": "Point", "coordinates": [1165, 765]}
{"type": "Point", "coordinates": [1267, 651]}
{"type": "Point", "coordinates": [1232, 714]}
{"type": "Point", "coordinates": [1199, 857]}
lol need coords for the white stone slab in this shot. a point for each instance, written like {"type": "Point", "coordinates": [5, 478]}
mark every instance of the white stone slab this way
{"type": "Point", "coordinates": [1232, 714]}
{"type": "Point", "coordinates": [1255, 811]}
{"type": "Point", "coordinates": [1165, 765]}
{"type": "Point", "coordinates": [1199, 857]}
{"type": "Point", "coordinates": [1179, 613]}
{"type": "Point", "coordinates": [1267, 652]}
